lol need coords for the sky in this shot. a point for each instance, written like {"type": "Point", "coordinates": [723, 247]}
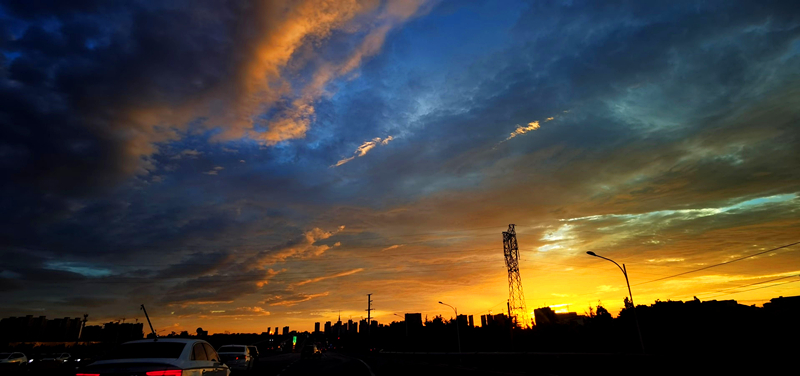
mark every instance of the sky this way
{"type": "Point", "coordinates": [243, 165]}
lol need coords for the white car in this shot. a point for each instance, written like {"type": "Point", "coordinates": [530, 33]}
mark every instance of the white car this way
{"type": "Point", "coordinates": [237, 357]}
{"type": "Point", "coordinates": [159, 357]}
{"type": "Point", "coordinates": [12, 360]}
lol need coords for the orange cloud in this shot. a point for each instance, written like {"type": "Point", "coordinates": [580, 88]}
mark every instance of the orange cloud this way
{"type": "Point", "coordinates": [532, 126]}
{"type": "Point", "coordinates": [280, 301]}
{"type": "Point", "coordinates": [259, 78]}
{"type": "Point", "coordinates": [337, 275]}
{"type": "Point", "coordinates": [305, 248]}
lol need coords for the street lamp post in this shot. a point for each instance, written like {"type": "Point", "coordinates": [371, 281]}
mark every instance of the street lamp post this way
{"type": "Point", "coordinates": [458, 331]}
{"type": "Point", "coordinates": [630, 294]}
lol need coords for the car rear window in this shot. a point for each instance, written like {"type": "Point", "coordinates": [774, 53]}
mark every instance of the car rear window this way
{"type": "Point", "coordinates": [236, 349]}
{"type": "Point", "coordinates": [142, 350]}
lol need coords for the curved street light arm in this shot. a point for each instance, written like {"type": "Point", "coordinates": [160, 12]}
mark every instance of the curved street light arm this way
{"type": "Point", "coordinates": [615, 263]}
{"type": "Point", "coordinates": [454, 308]}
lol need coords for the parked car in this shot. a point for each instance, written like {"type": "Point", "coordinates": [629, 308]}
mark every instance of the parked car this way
{"type": "Point", "coordinates": [57, 358]}
{"type": "Point", "coordinates": [310, 351]}
{"type": "Point", "coordinates": [237, 357]}
{"type": "Point", "coordinates": [253, 352]}
{"type": "Point", "coordinates": [159, 357]}
{"type": "Point", "coordinates": [13, 361]}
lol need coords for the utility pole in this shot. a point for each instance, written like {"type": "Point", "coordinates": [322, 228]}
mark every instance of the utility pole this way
{"type": "Point", "coordinates": [155, 335]}
{"type": "Point", "coordinates": [369, 313]}
{"type": "Point", "coordinates": [83, 325]}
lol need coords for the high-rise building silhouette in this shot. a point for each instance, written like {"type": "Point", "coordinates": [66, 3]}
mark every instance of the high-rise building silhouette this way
{"type": "Point", "coordinates": [414, 321]}
{"type": "Point", "coordinates": [500, 320]}
{"type": "Point", "coordinates": [276, 330]}
{"type": "Point", "coordinates": [327, 328]}
{"type": "Point", "coordinates": [30, 328]}
{"type": "Point", "coordinates": [461, 320]}
{"type": "Point", "coordinates": [286, 330]}
{"type": "Point", "coordinates": [471, 322]}
{"type": "Point", "coordinates": [316, 327]}
{"type": "Point", "coordinates": [337, 329]}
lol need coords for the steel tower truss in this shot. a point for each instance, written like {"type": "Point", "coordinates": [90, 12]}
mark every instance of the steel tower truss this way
{"type": "Point", "coordinates": [516, 299]}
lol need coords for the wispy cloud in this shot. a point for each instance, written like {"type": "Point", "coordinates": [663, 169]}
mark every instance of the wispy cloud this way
{"type": "Point", "coordinates": [188, 153]}
{"type": "Point", "coordinates": [214, 171]}
{"type": "Point", "coordinates": [241, 312]}
{"type": "Point", "coordinates": [364, 149]}
{"type": "Point", "coordinates": [278, 300]}
{"type": "Point", "coordinates": [337, 275]}
{"type": "Point", "coordinates": [392, 247]}
{"type": "Point", "coordinates": [302, 247]}
{"type": "Point", "coordinates": [532, 126]}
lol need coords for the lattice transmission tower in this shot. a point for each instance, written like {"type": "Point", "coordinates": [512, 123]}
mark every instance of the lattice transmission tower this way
{"type": "Point", "coordinates": [516, 299]}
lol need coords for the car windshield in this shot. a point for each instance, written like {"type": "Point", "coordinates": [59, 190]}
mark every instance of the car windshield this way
{"type": "Point", "coordinates": [236, 349]}
{"type": "Point", "coordinates": [142, 350]}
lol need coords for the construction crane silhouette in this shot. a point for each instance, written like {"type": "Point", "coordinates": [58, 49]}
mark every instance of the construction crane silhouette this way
{"type": "Point", "coordinates": [516, 299]}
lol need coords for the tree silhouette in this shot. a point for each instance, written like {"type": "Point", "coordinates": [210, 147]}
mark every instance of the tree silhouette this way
{"type": "Point", "coordinates": [627, 303]}
{"type": "Point", "coordinates": [437, 322]}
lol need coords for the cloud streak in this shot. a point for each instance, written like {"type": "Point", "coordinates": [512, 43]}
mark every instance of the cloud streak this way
{"type": "Point", "coordinates": [532, 126]}
{"type": "Point", "coordinates": [323, 278]}
{"type": "Point", "coordinates": [364, 149]}
{"type": "Point", "coordinates": [293, 300]}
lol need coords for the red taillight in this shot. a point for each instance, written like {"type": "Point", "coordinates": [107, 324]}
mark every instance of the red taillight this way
{"type": "Point", "coordinates": [172, 372]}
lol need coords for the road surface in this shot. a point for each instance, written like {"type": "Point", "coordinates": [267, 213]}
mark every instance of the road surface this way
{"type": "Point", "coordinates": [290, 364]}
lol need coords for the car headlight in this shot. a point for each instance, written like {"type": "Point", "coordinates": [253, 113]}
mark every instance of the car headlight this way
{"type": "Point", "coordinates": [30, 360]}
{"type": "Point", "coordinates": [78, 360]}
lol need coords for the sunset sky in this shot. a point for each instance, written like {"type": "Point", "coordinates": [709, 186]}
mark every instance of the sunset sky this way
{"type": "Point", "coordinates": [239, 165]}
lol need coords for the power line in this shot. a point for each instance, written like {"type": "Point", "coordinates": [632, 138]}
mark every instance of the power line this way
{"type": "Point", "coordinates": [757, 288]}
{"type": "Point", "coordinates": [715, 265]}
{"type": "Point", "coordinates": [751, 284]}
